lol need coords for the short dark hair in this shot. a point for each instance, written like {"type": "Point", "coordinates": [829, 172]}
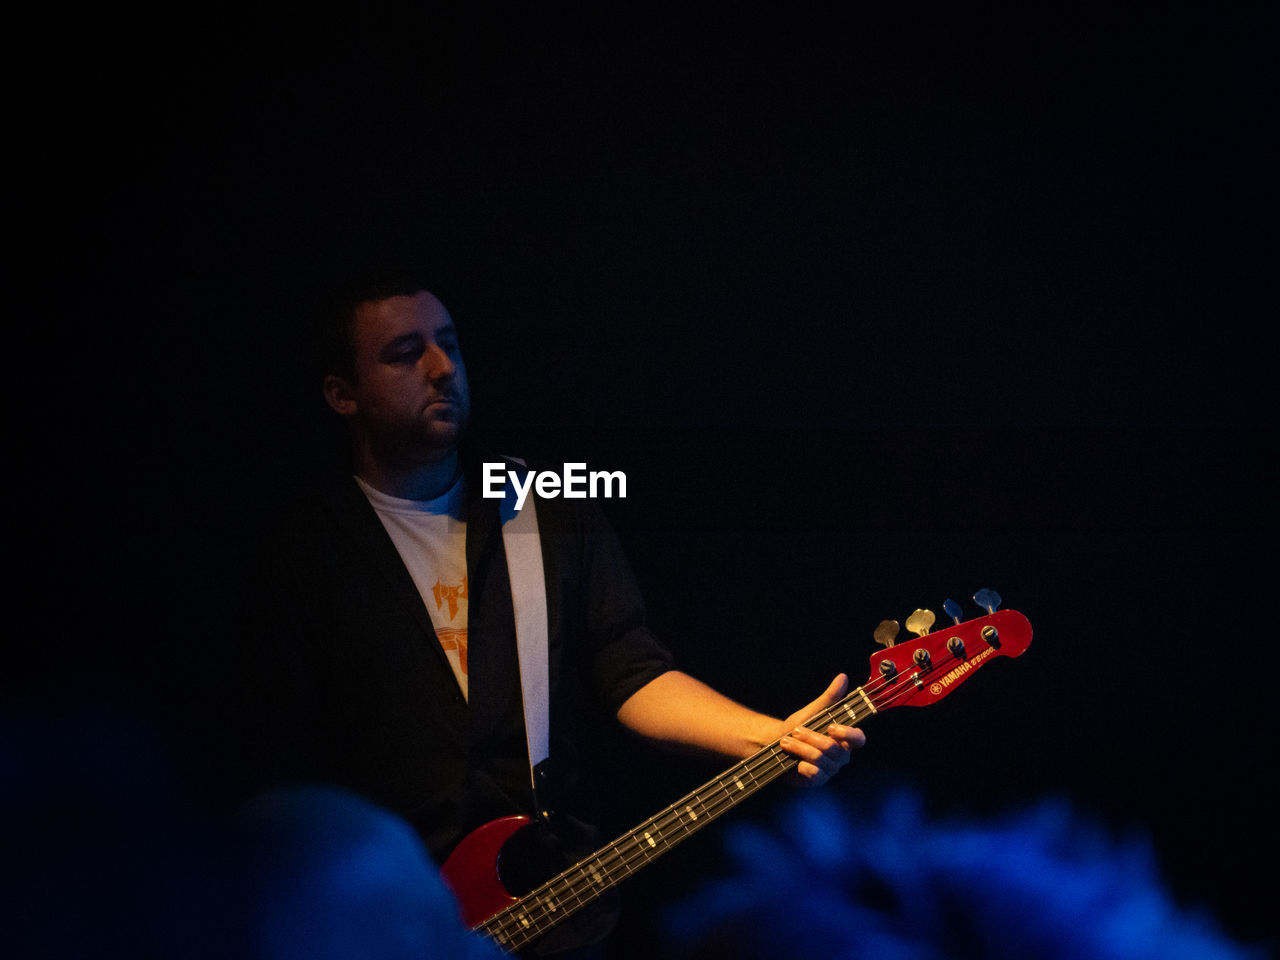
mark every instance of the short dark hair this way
{"type": "Point", "coordinates": [335, 311]}
{"type": "Point", "coordinates": [385, 251]}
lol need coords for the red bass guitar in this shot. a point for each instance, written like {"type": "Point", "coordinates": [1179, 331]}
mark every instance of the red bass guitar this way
{"type": "Point", "coordinates": [913, 673]}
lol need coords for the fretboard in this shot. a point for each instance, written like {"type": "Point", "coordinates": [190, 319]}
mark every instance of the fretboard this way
{"type": "Point", "coordinates": [562, 895]}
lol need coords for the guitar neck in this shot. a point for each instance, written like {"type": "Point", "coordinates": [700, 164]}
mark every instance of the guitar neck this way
{"type": "Point", "coordinates": [569, 891]}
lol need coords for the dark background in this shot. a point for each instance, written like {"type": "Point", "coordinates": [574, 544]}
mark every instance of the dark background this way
{"type": "Point", "coordinates": [873, 308]}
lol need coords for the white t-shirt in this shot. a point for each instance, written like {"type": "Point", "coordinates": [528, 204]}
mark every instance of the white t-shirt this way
{"type": "Point", "coordinates": [431, 536]}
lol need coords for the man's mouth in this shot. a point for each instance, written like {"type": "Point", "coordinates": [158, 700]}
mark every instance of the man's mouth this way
{"type": "Point", "coordinates": [449, 401]}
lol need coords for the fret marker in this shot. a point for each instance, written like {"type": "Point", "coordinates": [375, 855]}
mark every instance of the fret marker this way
{"type": "Point", "coordinates": [524, 919]}
{"type": "Point", "coordinates": [551, 905]}
{"type": "Point", "coordinates": [595, 875]}
{"type": "Point", "coordinates": [739, 783]}
{"type": "Point", "coordinates": [692, 814]}
{"type": "Point", "coordinates": [650, 839]}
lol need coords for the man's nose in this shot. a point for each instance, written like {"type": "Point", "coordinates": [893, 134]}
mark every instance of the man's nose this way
{"type": "Point", "coordinates": [438, 363]}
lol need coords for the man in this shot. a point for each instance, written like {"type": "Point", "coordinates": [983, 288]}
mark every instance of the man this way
{"type": "Point", "coordinates": [387, 661]}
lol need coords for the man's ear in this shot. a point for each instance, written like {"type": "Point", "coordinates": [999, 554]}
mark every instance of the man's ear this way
{"type": "Point", "coordinates": [339, 395]}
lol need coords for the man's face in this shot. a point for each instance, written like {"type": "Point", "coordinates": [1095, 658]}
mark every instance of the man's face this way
{"type": "Point", "coordinates": [409, 400]}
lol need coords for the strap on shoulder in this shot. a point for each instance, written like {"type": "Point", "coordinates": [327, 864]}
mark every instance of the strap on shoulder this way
{"type": "Point", "coordinates": [523, 548]}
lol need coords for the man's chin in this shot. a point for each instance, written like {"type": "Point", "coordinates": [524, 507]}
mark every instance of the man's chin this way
{"type": "Point", "coordinates": [439, 439]}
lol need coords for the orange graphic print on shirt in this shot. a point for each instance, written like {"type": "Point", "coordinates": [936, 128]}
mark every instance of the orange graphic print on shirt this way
{"type": "Point", "coordinates": [452, 638]}
{"type": "Point", "coordinates": [452, 595]}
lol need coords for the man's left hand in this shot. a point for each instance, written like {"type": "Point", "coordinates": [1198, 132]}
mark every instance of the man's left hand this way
{"type": "Point", "coordinates": [821, 754]}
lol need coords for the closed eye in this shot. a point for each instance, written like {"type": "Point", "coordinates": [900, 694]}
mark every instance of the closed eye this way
{"type": "Point", "coordinates": [405, 349]}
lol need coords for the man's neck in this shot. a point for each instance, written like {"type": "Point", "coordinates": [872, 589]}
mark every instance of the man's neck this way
{"type": "Point", "coordinates": [419, 481]}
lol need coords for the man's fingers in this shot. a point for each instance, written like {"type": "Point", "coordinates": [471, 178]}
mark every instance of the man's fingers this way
{"type": "Point", "coordinates": [821, 755]}
{"type": "Point", "coordinates": [824, 753]}
{"type": "Point", "coordinates": [838, 737]}
{"type": "Point", "coordinates": [848, 737]}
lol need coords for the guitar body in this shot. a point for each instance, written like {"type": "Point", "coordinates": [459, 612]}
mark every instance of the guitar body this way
{"type": "Point", "coordinates": [496, 865]}
{"type": "Point", "coordinates": [471, 871]}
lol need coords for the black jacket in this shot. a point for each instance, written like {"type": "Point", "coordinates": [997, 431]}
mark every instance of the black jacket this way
{"type": "Point", "coordinates": [345, 682]}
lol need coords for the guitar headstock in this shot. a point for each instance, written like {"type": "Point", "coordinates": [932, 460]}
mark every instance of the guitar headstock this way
{"type": "Point", "coordinates": [922, 671]}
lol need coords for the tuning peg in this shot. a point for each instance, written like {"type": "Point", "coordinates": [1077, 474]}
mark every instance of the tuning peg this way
{"type": "Point", "coordinates": [920, 622]}
{"type": "Point", "coordinates": [989, 600]}
{"type": "Point", "coordinates": [953, 610]}
{"type": "Point", "coordinates": [887, 633]}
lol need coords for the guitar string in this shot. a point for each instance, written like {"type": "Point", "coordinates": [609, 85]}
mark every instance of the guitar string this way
{"type": "Point", "coordinates": [583, 890]}
{"type": "Point", "coordinates": [618, 856]}
{"type": "Point", "coordinates": [629, 853]}
{"type": "Point", "coordinates": [529, 926]}
{"type": "Point", "coordinates": [575, 884]}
